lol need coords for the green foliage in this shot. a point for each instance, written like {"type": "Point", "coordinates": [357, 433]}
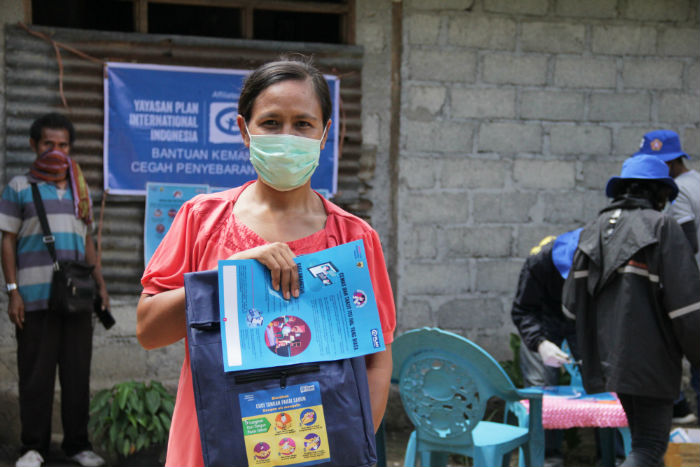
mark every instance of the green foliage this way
{"type": "Point", "coordinates": [512, 367]}
{"type": "Point", "coordinates": [130, 417]}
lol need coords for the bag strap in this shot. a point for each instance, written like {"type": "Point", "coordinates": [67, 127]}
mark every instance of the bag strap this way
{"type": "Point", "coordinates": [48, 238]}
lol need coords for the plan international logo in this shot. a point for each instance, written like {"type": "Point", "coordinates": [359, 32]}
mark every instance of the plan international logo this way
{"type": "Point", "coordinates": [222, 123]}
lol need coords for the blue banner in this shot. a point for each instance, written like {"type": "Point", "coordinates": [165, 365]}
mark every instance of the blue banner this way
{"type": "Point", "coordinates": [171, 124]}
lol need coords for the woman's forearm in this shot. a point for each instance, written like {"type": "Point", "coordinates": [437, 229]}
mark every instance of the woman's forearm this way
{"type": "Point", "coordinates": [379, 367]}
{"type": "Point", "coordinates": [160, 318]}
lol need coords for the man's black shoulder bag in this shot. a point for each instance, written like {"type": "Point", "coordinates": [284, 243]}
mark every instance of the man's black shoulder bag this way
{"type": "Point", "coordinates": [73, 290]}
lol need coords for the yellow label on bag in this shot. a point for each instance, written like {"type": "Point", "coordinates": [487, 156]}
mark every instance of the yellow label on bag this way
{"type": "Point", "coordinates": [285, 426]}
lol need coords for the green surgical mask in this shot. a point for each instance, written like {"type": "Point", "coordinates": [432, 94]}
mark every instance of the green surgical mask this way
{"type": "Point", "coordinates": [284, 162]}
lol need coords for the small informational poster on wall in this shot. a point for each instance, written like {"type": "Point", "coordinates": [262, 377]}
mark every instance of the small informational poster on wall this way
{"type": "Point", "coordinates": [163, 201]}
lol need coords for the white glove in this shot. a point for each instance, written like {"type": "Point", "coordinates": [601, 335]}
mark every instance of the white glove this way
{"type": "Point", "coordinates": [551, 354]}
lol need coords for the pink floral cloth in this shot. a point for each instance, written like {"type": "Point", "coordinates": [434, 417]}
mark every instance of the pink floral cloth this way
{"type": "Point", "coordinates": [563, 412]}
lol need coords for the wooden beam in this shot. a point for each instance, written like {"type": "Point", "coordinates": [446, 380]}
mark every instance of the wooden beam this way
{"type": "Point", "coordinates": [27, 7]}
{"type": "Point", "coordinates": [272, 5]}
{"type": "Point", "coordinates": [348, 22]}
{"type": "Point", "coordinates": [141, 16]}
{"type": "Point", "coordinates": [247, 23]}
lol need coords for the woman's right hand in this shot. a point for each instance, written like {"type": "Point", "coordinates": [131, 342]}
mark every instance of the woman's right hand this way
{"type": "Point", "coordinates": [279, 259]}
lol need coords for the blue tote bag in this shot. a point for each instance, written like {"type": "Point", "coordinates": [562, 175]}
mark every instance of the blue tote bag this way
{"type": "Point", "coordinates": [241, 421]}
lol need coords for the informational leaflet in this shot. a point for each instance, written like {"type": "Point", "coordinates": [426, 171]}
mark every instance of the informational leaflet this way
{"type": "Point", "coordinates": [335, 316]}
{"type": "Point", "coordinates": [285, 426]}
{"type": "Point", "coordinates": [163, 200]}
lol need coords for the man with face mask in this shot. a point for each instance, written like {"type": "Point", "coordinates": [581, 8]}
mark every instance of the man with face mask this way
{"type": "Point", "coordinates": [48, 338]}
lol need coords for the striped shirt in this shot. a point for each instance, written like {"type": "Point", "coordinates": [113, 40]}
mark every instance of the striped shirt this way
{"type": "Point", "coordinates": [18, 216]}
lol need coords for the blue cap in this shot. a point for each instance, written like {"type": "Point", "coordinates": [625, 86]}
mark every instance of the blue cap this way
{"type": "Point", "coordinates": [642, 167]}
{"type": "Point", "coordinates": [563, 251]}
{"type": "Point", "coordinates": [664, 144]}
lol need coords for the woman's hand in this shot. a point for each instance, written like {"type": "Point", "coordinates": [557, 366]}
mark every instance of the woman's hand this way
{"type": "Point", "coordinates": [279, 259]}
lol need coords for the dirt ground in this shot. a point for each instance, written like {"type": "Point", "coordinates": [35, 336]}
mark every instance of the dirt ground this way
{"type": "Point", "coordinates": [579, 451]}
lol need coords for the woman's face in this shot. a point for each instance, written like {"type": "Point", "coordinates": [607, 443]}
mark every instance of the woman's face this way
{"type": "Point", "coordinates": [289, 107]}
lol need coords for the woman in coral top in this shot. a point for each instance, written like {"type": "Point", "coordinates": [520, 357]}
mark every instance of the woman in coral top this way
{"type": "Point", "coordinates": [284, 118]}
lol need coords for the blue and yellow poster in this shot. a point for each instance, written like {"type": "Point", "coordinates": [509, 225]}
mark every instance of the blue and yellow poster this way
{"type": "Point", "coordinates": [285, 426]}
{"type": "Point", "coordinates": [171, 124]}
{"type": "Point", "coordinates": [163, 201]}
{"type": "Point", "coordinates": [334, 317]}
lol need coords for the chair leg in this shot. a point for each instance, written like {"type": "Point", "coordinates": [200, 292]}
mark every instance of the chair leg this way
{"type": "Point", "coordinates": [607, 447]}
{"type": "Point", "coordinates": [487, 457]}
{"type": "Point", "coordinates": [626, 439]}
{"type": "Point", "coordinates": [433, 459]}
{"type": "Point", "coordinates": [410, 456]}
{"type": "Point", "coordinates": [521, 457]}
{"type": "Point", "coordinates": [506, 459]}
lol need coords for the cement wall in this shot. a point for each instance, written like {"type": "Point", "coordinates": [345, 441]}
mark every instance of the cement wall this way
{"type": "Point", "coordinates": [514, 115]}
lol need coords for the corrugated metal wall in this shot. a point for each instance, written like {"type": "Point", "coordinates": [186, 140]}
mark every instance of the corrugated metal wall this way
{"type": "Point", "coordinates": [32, 86]}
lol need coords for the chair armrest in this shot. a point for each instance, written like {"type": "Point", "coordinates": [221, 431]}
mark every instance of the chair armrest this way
{"type": "Point", "coordinates": [533, 392]}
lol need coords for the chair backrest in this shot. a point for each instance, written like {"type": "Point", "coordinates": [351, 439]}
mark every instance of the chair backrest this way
{"type": "Point", "coordinates": [445, 382]}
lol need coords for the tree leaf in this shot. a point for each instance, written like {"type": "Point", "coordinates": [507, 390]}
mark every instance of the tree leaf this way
{"type": "Point", "coordinates": [152, 401]}
{"type": "Point", "coordinates": [158, 426]}
{"type": "Point", "coordinates": [113, 433]}
{"type": "Point", "coordinates": [132, 420]}
{"type": "Point", "coordinates": [122, 395]}
{"type": "Point", "coordinates": [114, 411]}
{"type": "Point", "coordinates": [142, 441]}
{"type": "Point", "coordinates": [168, 405]}
{"type": "Point", "coordinates": [100, 401]}
{"type": "Point", "coordinates": [158, 386]}
{"type": "Point", "coordinates": [126, 446]}
{"type": "Point", "coordinates": [165, 420]}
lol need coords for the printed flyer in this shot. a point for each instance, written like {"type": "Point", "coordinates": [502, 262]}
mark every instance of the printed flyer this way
{"type": "Point", "coordinates": [335, 316]}
{"type": "Point", "coordinates": [163, 200]}
{"type": "Point", "coordinates": [285, 426]}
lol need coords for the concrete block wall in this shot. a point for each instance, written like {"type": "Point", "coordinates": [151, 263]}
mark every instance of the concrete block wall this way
{"type": "Point", "coordinates": [514, 115]}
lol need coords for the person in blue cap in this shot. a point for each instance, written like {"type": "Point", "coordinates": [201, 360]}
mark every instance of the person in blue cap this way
{"type": "Point", "coordinates": [536, 310]}
{"type": "Point", "coordinates": [537, 315]}
{"type": "Point", "coordinates": [666, 146]}
{"type": "Point", "coordinates": [633, 291]}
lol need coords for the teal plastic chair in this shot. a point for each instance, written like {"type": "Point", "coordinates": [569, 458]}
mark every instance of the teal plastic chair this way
{"type": "Point", "coordinates": [445, 382]}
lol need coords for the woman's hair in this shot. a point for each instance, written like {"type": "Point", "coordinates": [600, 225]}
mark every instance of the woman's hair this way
{"type": "Point", "coordinates": [656, 192]}
{"type": "Point", "coordinates": [295, 67]}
